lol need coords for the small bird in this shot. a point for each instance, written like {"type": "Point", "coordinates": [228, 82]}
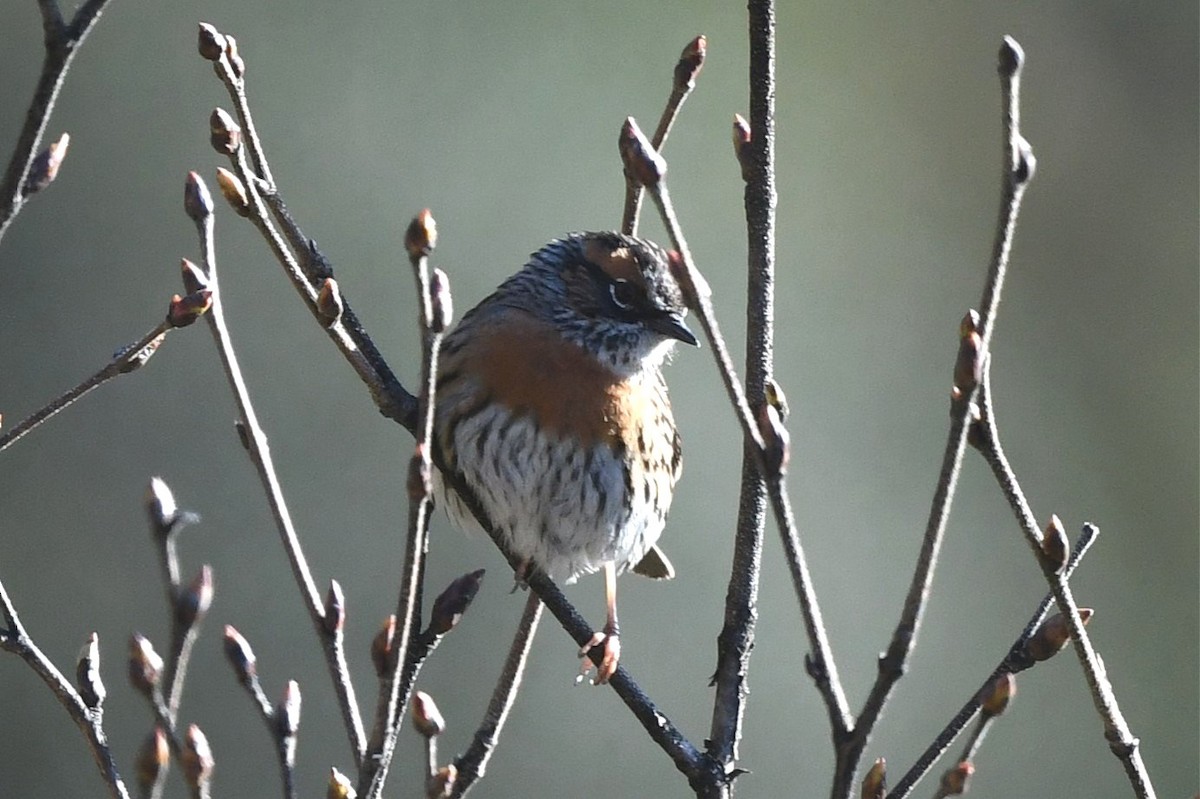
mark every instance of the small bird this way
{"type": "Point", "coordinates": [552, 409]}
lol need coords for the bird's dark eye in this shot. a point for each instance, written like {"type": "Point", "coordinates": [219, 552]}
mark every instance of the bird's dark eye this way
{"type": "Point", "coordinates": [623, 293]}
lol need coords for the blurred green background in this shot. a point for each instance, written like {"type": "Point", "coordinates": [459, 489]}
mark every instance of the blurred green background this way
{"type": "Point", "coordinates": [503, 118]}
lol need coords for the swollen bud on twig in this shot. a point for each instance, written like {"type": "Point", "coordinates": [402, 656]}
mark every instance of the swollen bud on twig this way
{"type": "Point", "coordinates": [211, 43]}
{"type": "Point", "coordinates": [87, 674]}
{"type": "Point", "coordinates": [184, 311]}
{"type": "Point", "coordinates": [997, 694]}
{"type": "Point", "coordinates": [874, 785]}
{"type": "Point", "coordinates": [1056, 549]}
{"type": "Point", "coordinates": [197, 202]}
{"type": "Point", "coordinates": [776, 441]}
{"type": "Point", "coordinates": [240, 656]}
{"type": "Point", "coordinates": [1012, 57]}
{"type": "Point", "coordinates": [234, 192]}
{"type": "Point", "coordinates": [225, 134]}
{"type": "Point", "coordinates": [452, 603]}
{"type": "Point", "coordinates": [954, 781]}
{"type": "Point", "coordinates": [1049, 639]}
{"type": "Point", "coordinates": [145, 665]}
{"type": "Point", "coordinates": [741, 145]}
{"type": "Point", "coordinates": [340, 786]}
{"type": "Point", "coordinates": [1026, 163]}
{"type": "Point", "coordinates": [44, 168]}
{"type": "Point", "coordinates": [443, 306]}
{"type": "Point", "coordinates": [195, 599]}
{"type": "Point", "coordinates": [160, 507]}
{"type": "Point", "coordinates": [194, 279]}
{"type": "Point", "coordinates": [153, 756]}
{"type": "Point", "coordinates": [335, 608]}
{"type": "Point", "coordinates": [287, 712]}
{"type": "Point", "coordinates": [776, 398]}
{"type": "Point", "coordinates": [383, 653]}
{"type": "Point", "coordinates": [968, 366]}
{"type": "Point", "coordinates": [421, 236]}
{"type": "Point", "coordinates": [329, 303]}
{"type": "Point", "coordinates": [441, 782]}
{"type": "Point", "coordinates": [691, 61]}
{"type": "Point", "coordinates": [197, 759]}
{"type": "Point", "coordinates": [236, 64]}
{"type": "Point", "coordinates": [642, 162]}
{"type": "Point", "coordinates": [426, 717]}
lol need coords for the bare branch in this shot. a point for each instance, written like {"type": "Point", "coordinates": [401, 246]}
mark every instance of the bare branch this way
{"type": "Point", "coordinates": [472, 764]}
{"type": "Point", "coordinates": [198, 203]}
{"type": "Point", "coordinates": [1018, 169]}
{"type": "Point", "coordinates": [419, 241]}
{"type": "Point", "coordinates": [125, 360]}
{"type": "Point", "coordinates": [90, 720]}
{"type": "Point", "coordinates": [687, 69]}
{"type": "Point", "coordinates": [1015, 661]}
{"type": "Point", "coordinates": [1116, 730]}
{"type": "Point", "coordinates": [62, 42]}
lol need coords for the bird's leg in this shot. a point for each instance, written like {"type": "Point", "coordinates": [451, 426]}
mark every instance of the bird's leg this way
{"type": "Point", "coordinates": [610, 637]}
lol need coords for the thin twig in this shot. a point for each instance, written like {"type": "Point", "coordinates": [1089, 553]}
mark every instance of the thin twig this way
{"type": "Point", "coordinates": [652, 170]}
{"type": "Point", "coordinates": [255, 441]}
{"type": "Point", "coordinates": [1014, 661]}
{"type": "Point", "coordinates": [1116, 730]}
{"type": "Point", "coordinates": [14, 638]}
{"type": "Point", "coordinates": [62, 42]}
{"type": "Point", "coordinates": [681, 751]}
{"type": "Point", "coordinates": [305, 265]}
{"type": "Point", "coordinates": [472, 764]}
{"type": "Point", "coordinates": [420, 240]}
{"type": "Point", "coordinates": [691, 60]}
{"type": "Point", "coordinates": [1018, 169]}
{"type": "Point", "coordinates": [126, 360]}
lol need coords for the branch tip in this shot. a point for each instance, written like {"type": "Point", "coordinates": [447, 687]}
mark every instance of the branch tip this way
{"type": "Point", "coordinates": [194, 279]}
{"type": "Point", "coordinates": [153, 757]}
{"type": "Point", "coordinates": [874, 784]}
{"type": "Point", "coordinates": [642, 162]}
{"type": "Point", "coordinates": [340, 786]}
{"type": "Point", "coordinates": [426, 717]}
{"type": "Point", "coordinates": [145, 666]}
{"type": "Point", "coordinates": [330, 305]}
{"type": "Point", "coordinates": [1056, 549]}
{"type": "Point", "coordinates": [421, 236]}
{"type": "Point", "coordinates": [87, 674]}
{"type": "Point", "coordinates": [210, 43]}
{"type": "Point", "coordinates": [691, 61]}
{"type": "Point", "coordinates": [453, 602]}
{"type": "Point", "coordinates": [234, 192]}
{"type": "Point", "coordinates": [335, 608]}
{"type": "Point", "coordinates": [1012, 58]}
{"type": "Point", "coordinates": [44, 168]}
{"type": "Point", "coordinates": [287, 711]}
{"type": "Point", "coordinates": [383, 649]}
{"type": "Point", "coordinates": [197, 760]}
{"type": "Point", "coordinates": [197, 202]}
{"type": "Point", "coordinates": [193, 602]}
{"type": "Point", "coordinates": [997, 694]}
{"type": "Point", "coordinates": [241, 656]}
{"type": "Point", "coordinates": [225, 134]}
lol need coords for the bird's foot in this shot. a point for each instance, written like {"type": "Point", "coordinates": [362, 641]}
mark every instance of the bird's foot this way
{"type": "Point", "coordinates": [608, 663]}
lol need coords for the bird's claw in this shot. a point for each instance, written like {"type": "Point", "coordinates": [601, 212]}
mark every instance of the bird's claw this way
{"type": "Point", "coordinates": [608, 663]}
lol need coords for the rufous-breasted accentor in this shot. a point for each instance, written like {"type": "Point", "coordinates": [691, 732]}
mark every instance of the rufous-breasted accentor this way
{"type": "Point", "coordinates": [551, 407]}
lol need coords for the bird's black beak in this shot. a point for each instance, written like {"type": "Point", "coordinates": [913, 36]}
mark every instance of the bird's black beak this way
{"type": "Point", "coordinates": [672, 326]}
